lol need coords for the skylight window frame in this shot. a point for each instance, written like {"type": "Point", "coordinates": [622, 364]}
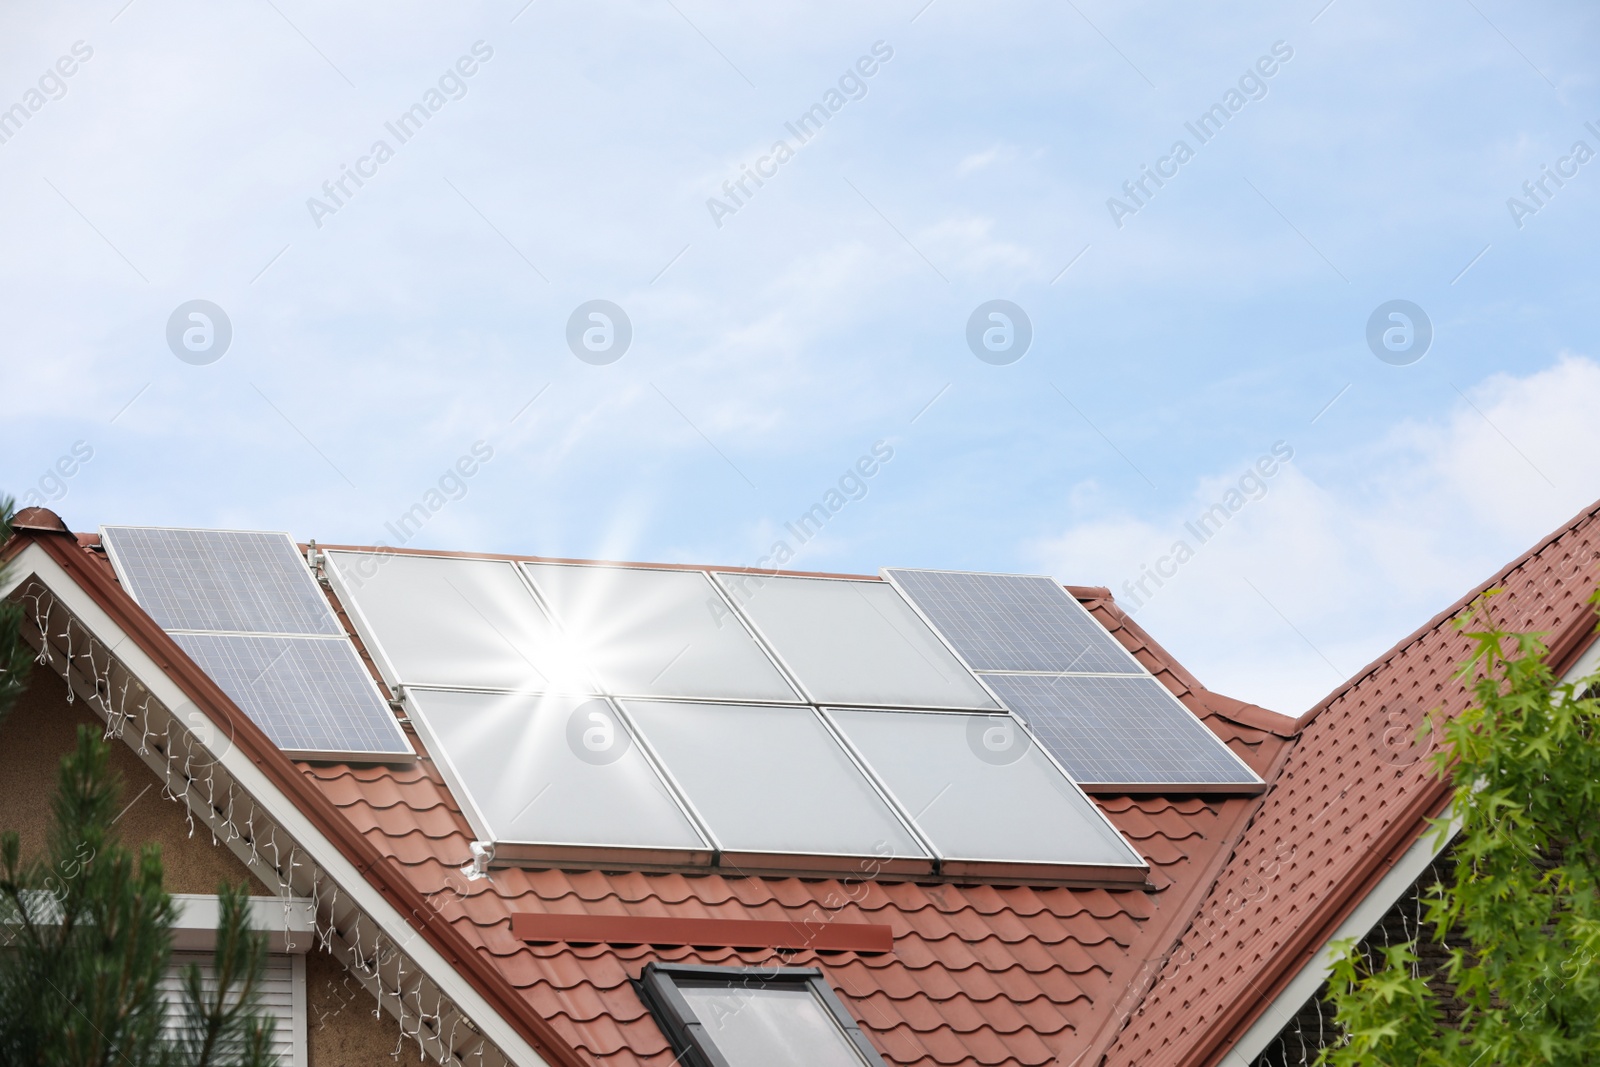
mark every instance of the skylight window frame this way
{"type": "Point", "coordinates": [807, 696]}
{"type": "Point", "coordinates": [659, 986]}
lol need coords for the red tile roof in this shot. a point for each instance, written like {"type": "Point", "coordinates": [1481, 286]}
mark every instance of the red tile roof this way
{"type": "Point", "coordinates": [1013, 975]}
{"type": "Point", "coordinates": [1352, 796]}
{"type": "Point", "coordinates": [979, 974]}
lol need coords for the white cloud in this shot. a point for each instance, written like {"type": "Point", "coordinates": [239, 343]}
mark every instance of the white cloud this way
{"type": "Point", "coordinates": [977, 161]}
{"type": "Point", "coordinates": [1346, 554]}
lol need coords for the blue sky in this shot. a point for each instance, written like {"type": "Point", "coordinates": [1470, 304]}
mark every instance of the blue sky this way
{"type": "Point", "coordinates": [829, 311]}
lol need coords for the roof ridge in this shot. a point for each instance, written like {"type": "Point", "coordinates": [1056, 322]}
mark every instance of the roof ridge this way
{"type": "Point", "coordinates": [1584, 516]}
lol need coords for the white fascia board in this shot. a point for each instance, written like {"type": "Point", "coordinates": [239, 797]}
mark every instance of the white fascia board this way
{"type": "Point", "coordinates": [279, 918]}
{"type": "Point", "coordinates": [1587, 664]}
{"type": "Point", "coordinates": [1368, 913]}
{"type": "Point", "coordinates": [35, 561]}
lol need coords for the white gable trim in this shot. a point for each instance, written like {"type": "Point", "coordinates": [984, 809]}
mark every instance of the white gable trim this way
{"type": "Point", "coordinates": [382, 919]}
{"type": "Point", "coordinates": [1385, 895]}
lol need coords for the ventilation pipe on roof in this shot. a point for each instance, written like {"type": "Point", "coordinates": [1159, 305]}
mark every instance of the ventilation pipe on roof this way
{"type": "Point", "coordinates": [482, 853]}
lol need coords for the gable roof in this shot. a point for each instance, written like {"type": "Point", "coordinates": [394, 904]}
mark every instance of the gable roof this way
{"type": "Point", "coordinates": [1242, 889]}
{"type": "Point", "coordinates": [1353, 794]}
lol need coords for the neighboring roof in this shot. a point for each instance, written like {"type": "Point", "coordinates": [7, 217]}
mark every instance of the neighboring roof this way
{"type": "Point", "coordinates": [1353, 795]}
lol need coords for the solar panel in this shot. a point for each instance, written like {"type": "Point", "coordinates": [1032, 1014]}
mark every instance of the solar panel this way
{"type": "Point", "coordinates": [1013, 622]}
{"type": "Point", "coordinates": [447, 621]}
{"type": "Point", "coordinates": [727, 760]}
{"type": "Point", "coordinates": [983, 799]}
{"type": "Point", "coordinates": [233, 581]}
{"type": "Point", "coordinates": [1121, 731]}
{"type": "Point", "coordinates": [854, 642]}
{"type": "Point", "coordinates": [311, 696]}
{"type": "Point", "coordinates": [649, 631]}
{"type": "Point", "coordinates": [557, 771]}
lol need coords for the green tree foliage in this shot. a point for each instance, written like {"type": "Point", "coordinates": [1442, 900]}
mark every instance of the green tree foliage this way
{"type": "Point", "coordinates": [15, 656]}
{"type": "Point", "coordinates": [1522, 908]}
{"type": "Point", "coordinates": [86, 935]}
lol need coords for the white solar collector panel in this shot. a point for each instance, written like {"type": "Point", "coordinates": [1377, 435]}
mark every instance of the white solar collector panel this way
{"type": "Point", "coordinates": [983, 793]}
{"type": "Point", "coordinates": [452, 622]}
{"type": "Point", "coordinates": [555, 775]}
{"type": "Point", "coordinates": [772, 783]}
{"type": "Point", "coordinates": [658, 632]}
{"type": "Point", "coordinates": [854, 642]}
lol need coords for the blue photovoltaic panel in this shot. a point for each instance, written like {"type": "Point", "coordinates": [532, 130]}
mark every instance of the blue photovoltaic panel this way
{"type": "Point", "coordinates": [1014, 622]}
{"type": "Point", "coordinates": [219, 580]}
{"type": "Point", "coordinates": [1120, 731]}
{"type": "Point", "coordinates": [312, 696]}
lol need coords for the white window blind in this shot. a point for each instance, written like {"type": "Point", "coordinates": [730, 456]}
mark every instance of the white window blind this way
{"type": "Point", "coordinates": [283, 999]}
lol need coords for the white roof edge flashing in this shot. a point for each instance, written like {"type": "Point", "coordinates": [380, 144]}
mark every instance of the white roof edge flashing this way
{"type": "Point", "coordinates": [1367, 914]}
{"type": "Point", "coordinates": [35, 561]}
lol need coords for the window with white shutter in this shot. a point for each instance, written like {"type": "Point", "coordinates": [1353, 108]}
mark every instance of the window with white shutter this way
{"type": "Point", "coordinates": [283, 999]}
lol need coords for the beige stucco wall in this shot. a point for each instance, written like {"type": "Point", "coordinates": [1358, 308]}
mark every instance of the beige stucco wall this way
{"type": "Point", "coordinates": [42, 728]}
